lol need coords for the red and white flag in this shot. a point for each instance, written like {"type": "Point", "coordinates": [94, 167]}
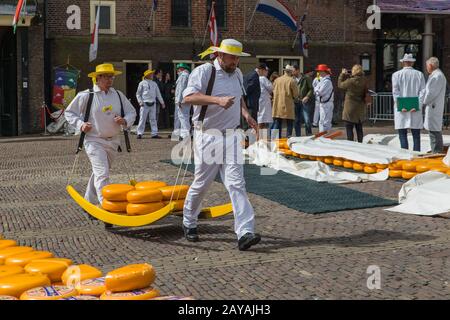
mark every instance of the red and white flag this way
{"type": "Point", "coordinates": [19, 8]}
{"type": "Point", "coordinates": [94, 39]}
{"type": "Point", "coordinates": [212, 27]}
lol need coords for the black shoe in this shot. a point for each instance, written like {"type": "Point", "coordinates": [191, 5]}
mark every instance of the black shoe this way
{"type": "Point", "coordinates": [156, 137]}
{"type": "Point", "coordinates": [248, 240]}
{"type": "Point", "coordinates": [190, 234]}
{"type": "Point", "coordinates": [139, 136]}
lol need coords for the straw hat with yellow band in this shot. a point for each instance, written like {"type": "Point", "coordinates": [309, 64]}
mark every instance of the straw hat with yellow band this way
{"type": "Point", "coordinates": [147, 72]}
{"type": "Point", "coordinates": [228, 46]}
{"type": "Point", "coordinates": [105, 68]}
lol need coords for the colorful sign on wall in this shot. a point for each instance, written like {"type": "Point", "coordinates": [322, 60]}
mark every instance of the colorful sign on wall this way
{"type": "Point", "coordinates": [64, 87]}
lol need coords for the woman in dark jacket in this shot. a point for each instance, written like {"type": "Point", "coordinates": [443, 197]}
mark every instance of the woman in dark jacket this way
{"type": "Point", "coordinates": [355, 86]}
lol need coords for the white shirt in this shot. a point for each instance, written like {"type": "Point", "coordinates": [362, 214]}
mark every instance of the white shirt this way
{"type": "Point", "coordinates": [148, 91]}
{"type": "Point", "coordinates": [226, 84]}
{"type": "Point", "coordinates": [324, 90]}
{"type": "Point", "coordinates": [408, 82]}
{"type": "Point", "coordinates": [182, 83]}
{"type": "Point", "coordinates": [105, 106]}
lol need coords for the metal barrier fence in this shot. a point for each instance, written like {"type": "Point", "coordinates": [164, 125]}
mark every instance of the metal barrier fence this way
{"type": "Point", "coordinates": [382, 108]}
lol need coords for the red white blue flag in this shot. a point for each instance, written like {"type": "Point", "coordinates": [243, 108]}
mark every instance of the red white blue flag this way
{"type": "Point", "coordinates": [93, 48]}
{"type": "Point", "coordinates": [212, 27]}
{"type": "Point", "coordinates": [20, 7]}
{"type": "Point", "coordinates": [278, 10]}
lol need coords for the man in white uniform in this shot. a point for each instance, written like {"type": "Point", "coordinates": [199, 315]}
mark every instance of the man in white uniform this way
{"type": "Point", "coordinates": [103, 127]}
{"type": "Point", "coordinates": [410, 83]}
{"type": "Point", "coordinates": [324, 91]}
{"type": "Point", "coordinates": [265, 101]}
{"type": "Point", "coordinates": [217, 132]}
{"type": "Point", "coordinates": [434, 99]}
{"type": "Point", "coordinates": [182, 110]}
{"type": "Point", "coordinates": [316, 115]}
{"type": "Point", "coordinates": [146, 95]}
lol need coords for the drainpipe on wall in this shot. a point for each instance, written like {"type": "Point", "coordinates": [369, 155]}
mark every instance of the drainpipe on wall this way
{"type": "Point", "coordinates": [427, 40]}
{"type": "Point", "coordinates": [47, 60]}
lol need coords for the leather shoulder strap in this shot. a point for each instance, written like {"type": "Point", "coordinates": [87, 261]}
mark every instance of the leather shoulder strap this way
{"type": "Point", "coordinates": [86, 119]}
{"type": "Point", "coordinates": [208, 92]}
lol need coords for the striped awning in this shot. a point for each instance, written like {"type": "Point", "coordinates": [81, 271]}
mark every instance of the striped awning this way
{"type": "Point", "coordinates": [414, 6]}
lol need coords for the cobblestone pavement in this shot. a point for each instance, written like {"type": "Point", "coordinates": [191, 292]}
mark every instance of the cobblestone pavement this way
{"type": "Point", "coordinates": [301, 256]}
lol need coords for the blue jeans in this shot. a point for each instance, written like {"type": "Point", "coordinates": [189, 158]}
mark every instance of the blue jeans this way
{"type": "Point", "coordinates": [403, 135]}
{"type": "Point", "coordinates": [302, 111]}
{"type": "Point", "coordinates": [278, 124]}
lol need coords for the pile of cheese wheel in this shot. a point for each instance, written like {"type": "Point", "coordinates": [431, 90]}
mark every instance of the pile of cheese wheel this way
{"type": "Point", "coordinates": [27, 274]}
{"type": "Point", "coordinates": [143, 198]}
{"type": "Point", "coordinates": [405, 169]}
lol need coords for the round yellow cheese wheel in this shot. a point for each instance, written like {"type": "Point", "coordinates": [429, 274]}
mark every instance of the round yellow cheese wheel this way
{"type": "Point", "coordinates": [320, 159]}
{"type": "Point", "coordinates": [179, 204]}
{"type": "Point", "coordinates": [348, 164]}
{"type": "Point", "coordinates": [328, 160]}
{"type": "Point", "coordinates": [17, 284]}
{"type": "Point", "coordinates": [303, 156]}
{"type": "Point", "coordinates": [410, 166]}
{"type": "Point", "coordinates": [312, 158]}
{"type": "Point", "coordinates": [396, 165]}
{"type": "Point", "coordinates": [7, 243]}
{"type": "Point", "coordinates": [289, 152]}
{"type": "Point", "coordinates": [439, 169]}
{"type": "Point", "coordinates": [172, 298]}
{"type": "Point", "coordinates": [144, 185]}
{"type": "Point", "coordinates": [24, 258]}
{"type": "Point", "coordinates": [54, 269]}
{"type": "Point", "coordinates": [408, 175]}
{"type": "Point", "coordinates": [129, 278]}
{"type": "Point", "coordinates": [116, 192]}
{"type": "Point", "coordinates": [144, 196]}
{"type": "Point", "coordinates": [77, 273]}
{"type": "Point", "coordinates": [358, 166]}
{"type": "Point", "coordinates": [339, 162]}
{"type": "Point", "coordinates": [380, 170]}
{"type": "Point", "coordinates": [143, 294]}
{"type": "Point", "coordinates": [395, 173]}
{"type": "Point", "coordinates": [381, 166]}
{"type": "Point", "coordinates": [179, 192]}
{"type": "Point", "coordinates": [8, 298]}
{"type": "Point", "coordinates": [11, 251]}
{"type": "Point", "coordinates": [49, 293]}
{"type": "Point", "coordinates": [370, 169]}
{"type": "Point", "coordinates": [423, 168]}
{"type": "Point", "coordinates": [92, 287]}
{"type": "Point", "coordinates": [6, 271]}
{"type": "Point", "coordinates": [448, 172]}
{"type": "Point", "coordinates": [81, 298]}
{"type": "Point", "coordinates": [134, 209]}
{"type": "Point", "coordinates": [115, 206]}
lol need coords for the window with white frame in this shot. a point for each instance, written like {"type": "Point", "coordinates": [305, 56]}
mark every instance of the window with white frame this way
{"type": "Point", "coordinates": [107, 24]}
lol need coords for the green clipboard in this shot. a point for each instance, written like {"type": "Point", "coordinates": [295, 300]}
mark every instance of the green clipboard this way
{"type": "Point", "coordinates": [408, 103]}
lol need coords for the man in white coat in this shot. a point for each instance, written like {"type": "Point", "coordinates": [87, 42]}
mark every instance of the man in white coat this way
{"type": "Point", "coordinates": [324, 91]}
{"type": "Point", "coordinates": [146, 95]}
{"type": "Point", "coordinates": [316, 116]}
{"type": "Point", "coordinates": [182, 110]}
{"type": "Point", "coordinates": [103, 127]}
{"type": "Point", "coordinates": [434, 100]}
{"type": "Point", "coordinates": [217, 133]}
{"type": "Point", "coordinates": [265, 101]}
{"type": "Point", "coordinates": [410, 83]}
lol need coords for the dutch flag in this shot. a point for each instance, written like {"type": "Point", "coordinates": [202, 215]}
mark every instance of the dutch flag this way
{"type": "Point", "coordinates": [278, 10]}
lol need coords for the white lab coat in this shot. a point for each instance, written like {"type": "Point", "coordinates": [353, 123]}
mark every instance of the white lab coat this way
{"type": "Point", "coordinates": [434, 99]}
{"type": "Point", "coordinates": [325, 93]}
{"type": "Point", "coordinates": [182, 110]}
{"type": "Point", "coordinates": [408, 82]}
{"type": "Point", "coordinates": [265, 101]}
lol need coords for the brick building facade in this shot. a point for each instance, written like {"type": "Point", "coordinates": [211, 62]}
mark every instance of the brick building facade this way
{"type": "Point", "coordinates": [135, 40]}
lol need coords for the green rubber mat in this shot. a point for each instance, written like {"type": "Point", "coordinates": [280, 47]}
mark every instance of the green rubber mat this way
{"type": "Point", "coordinates": [305, 195]}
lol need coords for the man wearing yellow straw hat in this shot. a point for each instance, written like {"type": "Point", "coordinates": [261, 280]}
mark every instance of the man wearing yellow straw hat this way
{"type": "Point", "coordinates": [103, 126]}
{"type": "Point", "coordinates": [146, 95]}
{"type": "Point", "coordinates": [215, 89]}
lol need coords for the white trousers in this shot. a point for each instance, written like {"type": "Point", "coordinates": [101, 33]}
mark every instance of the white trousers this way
{"type": "Point", "coordinates": [316, 113]}
{"type": "Point", "coordinates": [326, 116]}
{"type": "Point", "coordinates": [150, 113]}
{"type": "Point", "coordinates": [183, 116]}
{"type": "Point", "coordinates": [101, 157]}
{"type": "Point", "coordinates": [231, 170]}
{"type": "Point", "coordinates": [176, 123]}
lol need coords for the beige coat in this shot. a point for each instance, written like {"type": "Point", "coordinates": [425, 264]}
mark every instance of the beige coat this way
{"type": "Point", "coordinates": [285, 90]}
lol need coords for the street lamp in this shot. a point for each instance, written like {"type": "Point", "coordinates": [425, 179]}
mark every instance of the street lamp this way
{"type": "Point", "coordinates": [366, 62]}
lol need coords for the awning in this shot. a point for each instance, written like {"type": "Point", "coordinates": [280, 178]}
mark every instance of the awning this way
{"type": "Point", "coordinates": [8, 9]}
{"type": "Point", "coordinates": [414, 6]}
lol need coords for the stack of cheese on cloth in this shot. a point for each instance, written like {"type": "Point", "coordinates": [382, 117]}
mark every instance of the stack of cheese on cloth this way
{"type": "Point", "coordinates": [26, 274]}
{"type": "Point", "coordinates": [143, 198]}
